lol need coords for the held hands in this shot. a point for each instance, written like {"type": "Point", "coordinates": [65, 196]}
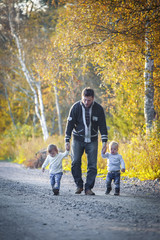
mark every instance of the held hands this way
{"type": "Point", "coordinates": [122, 170]}
{"type": "Point", "coordinates": [104, 147]}
{"type": "Point", "coordinates": [67, 146]}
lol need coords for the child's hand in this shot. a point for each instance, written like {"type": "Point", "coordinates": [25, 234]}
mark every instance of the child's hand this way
{"type": "Point", "coordinates": [122, 170]}
{"type": "Point", "coordinates": [67, 145]}
{"type": "Point", "coordinates": [43, 169]}
{"type": "Point", "coordinates": [104, 147]}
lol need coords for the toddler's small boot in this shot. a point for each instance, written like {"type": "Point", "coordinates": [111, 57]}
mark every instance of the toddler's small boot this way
{"type": "Point", "coordinates": [117, 191]}
{"type": "Point", "coordinates": [108, 190]}
{"type": "Point", "coordinates": [56, 191]}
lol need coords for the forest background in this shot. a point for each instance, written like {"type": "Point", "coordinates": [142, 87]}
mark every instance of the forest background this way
{"type": "Point", "coordinates": [50, 50]}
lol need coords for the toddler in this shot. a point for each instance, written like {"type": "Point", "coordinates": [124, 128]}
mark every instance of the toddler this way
{"type": "Point", "coordinates": [54, 159]}
{"type": "Point", "coordinates": [115, 163]}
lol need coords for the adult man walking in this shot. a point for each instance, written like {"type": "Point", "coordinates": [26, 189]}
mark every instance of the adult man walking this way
{"type": "Point", "coordinates": [85, 118]}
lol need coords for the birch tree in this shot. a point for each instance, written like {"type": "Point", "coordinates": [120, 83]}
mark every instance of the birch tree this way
{"type": "Point", "coordinates": [58, 111]}
{"type": "Point", "coordinates": [148, 80]}
{"type": "Point", "coordinates": [34, 85]}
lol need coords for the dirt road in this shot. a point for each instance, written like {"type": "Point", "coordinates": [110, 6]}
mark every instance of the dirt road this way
{"type": "Point", "coordinates": [30, 211]}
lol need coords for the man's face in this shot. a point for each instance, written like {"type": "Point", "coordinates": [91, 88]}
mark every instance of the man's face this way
{"type": "Point", "coordinates": [87, 101]}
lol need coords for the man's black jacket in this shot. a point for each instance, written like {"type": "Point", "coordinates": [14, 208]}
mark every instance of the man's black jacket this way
{"type": "Point", "coordinates": [77, 124]}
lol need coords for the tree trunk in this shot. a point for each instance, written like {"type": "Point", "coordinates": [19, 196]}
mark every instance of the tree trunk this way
{"type": "Point", "coordinates": [37, 99]}
{"type": "Point", "coordinates": [42, 118]}
{"type": "Point", "coordinates": [58, 111]}
{"type": "Point", "coordinates": [148, 81]}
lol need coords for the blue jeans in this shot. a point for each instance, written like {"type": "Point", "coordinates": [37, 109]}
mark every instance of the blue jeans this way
{"type": "Point", "coordinates": [55, 180]}
{"type": "Point", "coordinates": [113, 176]}
{"type": "Point", "coordinates": [77, 151]}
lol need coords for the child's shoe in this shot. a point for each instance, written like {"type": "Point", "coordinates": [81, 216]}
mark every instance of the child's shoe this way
{"type": "Point", "coordinates": [108, 191]}
{"type": "Point", "coordinates": [116, 192]}
{"type": "Point", "coordinates": [56, 191]}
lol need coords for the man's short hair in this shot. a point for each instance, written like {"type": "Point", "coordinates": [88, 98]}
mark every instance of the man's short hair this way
{"type": "Point", "coordinates": [87, 92]}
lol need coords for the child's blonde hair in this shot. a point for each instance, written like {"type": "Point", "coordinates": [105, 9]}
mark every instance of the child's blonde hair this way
{"type": "Point", "coordinates": [113, 143]}
{"type": "Point", "coordinates": [51, 147]}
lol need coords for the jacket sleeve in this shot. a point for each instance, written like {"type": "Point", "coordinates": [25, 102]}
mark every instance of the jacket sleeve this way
{"type": "Point", "coordinates": [65, 154]}
{"type": "Point", "coordinates": [70, 124]}
{"type": "Point", "coordinates": [46, 162]}
{"type": "Point", "coordinates": [102, 125]}
{"type": "Point", "coordinates": [105, 155]}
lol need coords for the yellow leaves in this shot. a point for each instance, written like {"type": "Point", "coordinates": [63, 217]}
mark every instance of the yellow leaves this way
{"type": "Point", "coordinates": [141, 156]}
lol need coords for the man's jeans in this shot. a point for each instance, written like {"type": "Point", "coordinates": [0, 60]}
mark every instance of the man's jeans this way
{"type": "Point", "coordinates": [113, 176]}
{"type": "Point", "coordinates": [55, 180]}
{"type": "Point", "coordinates": [77, 151]}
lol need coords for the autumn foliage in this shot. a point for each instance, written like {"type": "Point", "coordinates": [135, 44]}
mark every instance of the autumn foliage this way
{"type": "Point", "coordinates": [111, 46]}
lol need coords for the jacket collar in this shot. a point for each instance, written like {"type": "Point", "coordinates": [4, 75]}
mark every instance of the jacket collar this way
{"type": "Point", "coordinates": [84, 106]}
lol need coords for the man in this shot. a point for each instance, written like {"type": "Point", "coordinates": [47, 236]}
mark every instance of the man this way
{"type": "Point", "coordinates": [85, 118]}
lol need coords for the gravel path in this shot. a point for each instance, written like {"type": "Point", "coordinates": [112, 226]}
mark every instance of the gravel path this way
{"type": "Point", "coordinates": [30, 211]}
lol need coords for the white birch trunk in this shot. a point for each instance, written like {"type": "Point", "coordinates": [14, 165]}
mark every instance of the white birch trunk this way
{"type": "Point", "coordinates": [42, 119]}
{"type": "Point", "coordinates": [58, 111]}
{"type": "Point", "coordinates": [37, 99]}
{"type": "Point", "coordinates": [148, 81]}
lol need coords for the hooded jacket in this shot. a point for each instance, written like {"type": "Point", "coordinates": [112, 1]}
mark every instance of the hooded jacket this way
{"type": "Point", "coordinates": [76, 123]}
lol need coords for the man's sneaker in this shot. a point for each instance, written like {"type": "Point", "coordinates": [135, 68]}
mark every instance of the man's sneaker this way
{"type": "Point", "coordinates": [89, 192]}
{"type": "Point", "coordinates": [56, 191]}
{"type": "Point", "coordinates": [78, 190]}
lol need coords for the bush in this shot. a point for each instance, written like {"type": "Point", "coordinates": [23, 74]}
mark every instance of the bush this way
{"type": "Point", "coordinates": [142, 157]}
{"type": "Point", "coordinates": [32, 153]}
{"type": "Point", "coordinates": [141, 154]}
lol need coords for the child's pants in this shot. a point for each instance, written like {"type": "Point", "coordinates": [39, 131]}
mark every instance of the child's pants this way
{"type": "Point", "coordinates": [113, 176]}
{"type": "Point", "coordinates": [55, 180]}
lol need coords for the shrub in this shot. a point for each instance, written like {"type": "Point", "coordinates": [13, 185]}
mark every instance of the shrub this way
{"type": "Point", "coordinates": [141, 154]}
{"type": "Point", "coordinates": [142, 157]}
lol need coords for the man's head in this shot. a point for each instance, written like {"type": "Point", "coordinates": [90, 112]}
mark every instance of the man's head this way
{"type": "Point", "coordinates": [87, 96]}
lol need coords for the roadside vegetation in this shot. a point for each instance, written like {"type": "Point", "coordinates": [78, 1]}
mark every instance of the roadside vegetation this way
{"type": "Point", "coordinates": [141, 154]}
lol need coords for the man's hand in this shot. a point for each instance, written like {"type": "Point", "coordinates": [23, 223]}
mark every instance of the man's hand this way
{"type": "Point", "coordinates": [122, 170]}
{"type": "Point", "coordinates": [67, 146]}
{"type": "Point", "coordinates": [104, 147]}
